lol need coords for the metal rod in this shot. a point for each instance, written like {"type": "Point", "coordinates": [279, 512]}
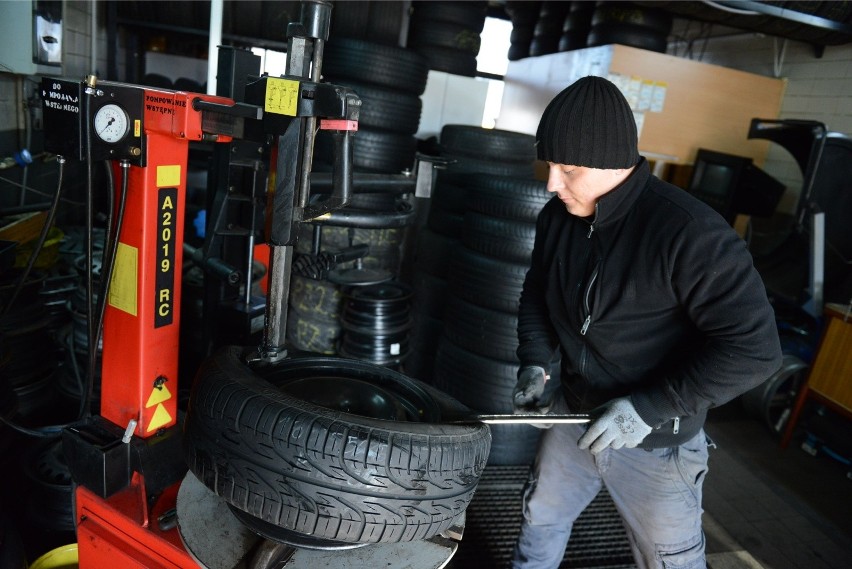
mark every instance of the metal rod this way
{"type": "Point", "coordinates": [275, 323]}
{"type": "Point", "coordinates": [368, 183]}
{"type": "Point", "coordinates": [528, 419]}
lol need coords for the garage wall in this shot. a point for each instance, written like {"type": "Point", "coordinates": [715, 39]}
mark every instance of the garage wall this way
{"type": "Point", "coordinates": [818, 89]}
{"type": "Point", "coordinates": [76, 64]}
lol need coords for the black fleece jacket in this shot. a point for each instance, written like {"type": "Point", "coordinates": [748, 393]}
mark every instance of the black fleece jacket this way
{"type": "Point", "coordinates": [656, 298]}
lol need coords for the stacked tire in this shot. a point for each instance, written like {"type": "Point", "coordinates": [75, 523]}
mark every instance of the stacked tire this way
{"type": "Point", "coordinates": [316, 305]}
{"type": "Point", "coordinates": [375, 21]}
{"type": "Point", "coordinates": [389, 80]}
{"type": "Point", "coordinates": [524, 17]}
{"type": "Point", "coordinates": [575, 28]}
{"type": "Point", "coordinates": [548, 28]}
{"type": "Point", "coordinates": [469, 150]}
{"type": "Point", "coordinates": [476, 361]}
{"type": "Point", "coordinates": [448, 34]}
{"type": "Point", "coordinates": [629, 24]}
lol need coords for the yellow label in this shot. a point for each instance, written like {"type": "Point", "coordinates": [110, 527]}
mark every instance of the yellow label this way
{"type": "Point", "coordinates": [137, 128]}
{"type": "Point", "coordinates": [161, 417]}
{"type": "Point", "coordinates": [158, 395]}
{"type": "Point", "coordinates": [122, 287]}
{"type": "Point", "coordinates": [168, 176]}
{"type": "Point", "coordinates": [282, 96]}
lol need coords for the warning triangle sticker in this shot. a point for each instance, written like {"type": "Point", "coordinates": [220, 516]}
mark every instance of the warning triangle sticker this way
{"type": "Point", "coordinates": [161, 417]}
{"type": "Point", "coordinates": [158, 395]}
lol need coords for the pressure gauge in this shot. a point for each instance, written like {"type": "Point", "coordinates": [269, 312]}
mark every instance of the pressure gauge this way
{"type": "Point", "coordinates": [111, 123]}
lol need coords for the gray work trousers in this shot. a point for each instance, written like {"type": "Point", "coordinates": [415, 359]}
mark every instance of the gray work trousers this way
{"type": "Point", "coordinates": [657, 492]}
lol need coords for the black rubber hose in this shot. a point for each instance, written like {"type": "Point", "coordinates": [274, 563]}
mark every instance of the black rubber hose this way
{"type": "Point", "coordinates": [48, 222]}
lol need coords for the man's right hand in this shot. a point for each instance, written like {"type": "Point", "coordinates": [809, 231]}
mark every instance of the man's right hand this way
{"type": "Point", "coordinates": [528, 395]}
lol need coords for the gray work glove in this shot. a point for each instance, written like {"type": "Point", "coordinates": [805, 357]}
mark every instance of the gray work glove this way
{"type": "Point", "coordinates": [528, 395]}
{"type": "Point", "coordinates": [618, 426]}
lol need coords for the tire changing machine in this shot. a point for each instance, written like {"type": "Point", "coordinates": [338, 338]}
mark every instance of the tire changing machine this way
{"type": "Point", "coordinates": [135, 504]}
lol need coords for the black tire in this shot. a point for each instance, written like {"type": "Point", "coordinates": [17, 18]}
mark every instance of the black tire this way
{"type": "Point", "coordinates": [449, 60]}
{"type": "Point", "coordinates": [334, 237]}
{"type": "Point", "coordinates": [579, 18]}
{"type": "Point", "coordinates": [513, 445]}
{"type": "Point", "coordinates": [312, 333]}
{"type": "Point", "coordinates": [373, 202]}
{"type": "Point", "coordinates": [504, 239]}
{"type": "Point", "coordinates": [466, 164]}
{"type": "Point", "coordinates": [447, 194]}
{"type": "Point", "coordinates": [523, 12]}
{"type": "Point", "coordinates": [548, 28]}
{"type": "Point", "coordinates": [382, 65]}
{"type": "Point", "coordinates": [518, 51]}
{"type": "Point", "coordinates": [482, 331]}
{"type": "Point", "coordinates": [486, 384]}
{"type": "Point", "coordinates": [386, 109]}
{"type": "Point", "coordinates": [488, 143]}
{"type": "Point", "coordinates": [430, 295]}
{"type": "Point", "coordinates": [480, 382]}
{"type": "Point", "coordinates": [653, 21]}
{"type": "Point", "coordinates": [373, 151]}
{"type": "Point", "coordinates": [425, 335]}
{"type": "Point", "coordinates": [543, 45]}
{"type": "Point", "coordinates": [386, 20]}
{"type": "Point", "coordinates": [510, 198]}
{"type": "Point", "coordinates": [434, 251]}
{"type": "Point", "coordinates": [311, 469]}
{"type": "Point", "coordinates": [50, 489]}
{"type": "Point", "coordinates": [468, 14]}
{"type": "Point", "coordinates": [522, 34]}
{"type": "Point", "coordinates": [486, 282]}
{"type": "Point", "coordinates": [573, 39]}
{"type": "Point", "coordinates": [429, 33]}
{"type": "Point", "coordinates": [626, 34]}
{"type": "Point", "coordinates": [772, 401]}
{"type": "Point", "coordinates": [445, 223]}
{"type": "Point", "coordinates": [349, 20]}
{"type": "Point", "coordinates": [322, 299]}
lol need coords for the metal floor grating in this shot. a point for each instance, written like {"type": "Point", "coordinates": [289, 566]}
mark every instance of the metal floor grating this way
{"type": "Point", "coordinates": [493, 519]}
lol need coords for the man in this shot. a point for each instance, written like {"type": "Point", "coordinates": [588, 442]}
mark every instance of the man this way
{"type": "Point", "coordinates": [658, 314]}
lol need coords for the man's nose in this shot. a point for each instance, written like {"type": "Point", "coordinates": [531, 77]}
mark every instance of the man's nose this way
{"type": "Point", "coordinates": [554, 180]}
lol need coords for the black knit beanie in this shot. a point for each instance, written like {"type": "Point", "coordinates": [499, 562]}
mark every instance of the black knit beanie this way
{"type": "Point", "coordinates": [589, 124]}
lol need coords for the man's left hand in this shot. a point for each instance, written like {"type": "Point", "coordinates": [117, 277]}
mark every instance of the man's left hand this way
{"type": "Point", "coordinates": [618, 426]}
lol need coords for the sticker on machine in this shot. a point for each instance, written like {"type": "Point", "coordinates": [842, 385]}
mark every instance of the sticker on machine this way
{"type": "Point", "coordinates": [122, 286]}
{"type": "Point", "coordinates": [164, 280]}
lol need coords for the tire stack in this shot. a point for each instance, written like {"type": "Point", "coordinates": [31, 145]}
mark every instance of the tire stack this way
{"type": "Point", "coordinates": [28, 354]}
{"type": "Point", "coordinates": [548, 28]}
{"type": "Point", "coordinates": [489, 153]}
{"type": "Point", "coordinates": [448, 34]}
{"type": "Point", "coordinates": [476, 361]}
{"type": "Point", "coordinates": [575, 29]}
{"type": "Point", "coordinates": [316, 305]}
{"type": "Point", "coordinates": [629, 24]}
{"type": "Point", "coordinates": [524, 17]}
{"type": "Point", "coordinates": [389, 80]}
{"type": "Point", "coordinates": [375, 21]}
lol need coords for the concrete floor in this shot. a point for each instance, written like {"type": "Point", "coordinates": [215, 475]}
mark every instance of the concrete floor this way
{"type": "Point", "coordinates": [765, 508]}
{"type": "Point", "coordinates": [785, 507]}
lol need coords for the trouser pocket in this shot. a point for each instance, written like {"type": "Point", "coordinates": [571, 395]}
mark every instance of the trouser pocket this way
{"type": "Point", "coordinates": [691, 461]}
{"type": "Point", "coordinates": [686, 555]}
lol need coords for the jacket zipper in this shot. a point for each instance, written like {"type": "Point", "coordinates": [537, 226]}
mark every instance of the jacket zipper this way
{"type": "Point", "coordinates": [586, 306]}
{"type": "Point", "coordinates": [588, 309]}
{"type": "Point", "coordinates": [592, 223]}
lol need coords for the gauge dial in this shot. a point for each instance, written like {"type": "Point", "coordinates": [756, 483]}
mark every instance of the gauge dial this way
{"type": "Point", "coordinates": [111, 123]}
